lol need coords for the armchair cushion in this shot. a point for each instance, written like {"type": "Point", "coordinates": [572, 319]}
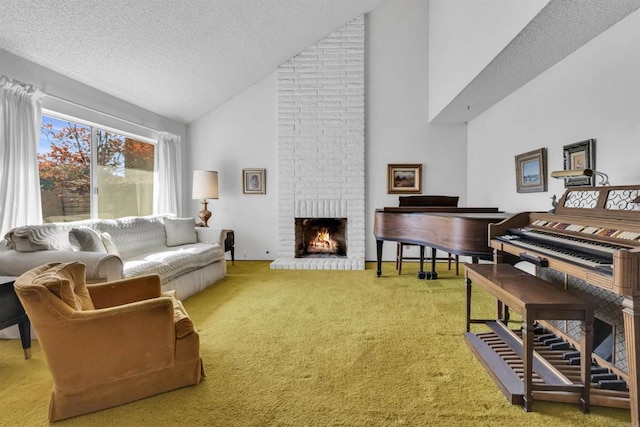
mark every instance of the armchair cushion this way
{"type": "Point", "coordinates": [125, 291]}
{"type": "Point", "coordinates": [66, 281]}
{"type": "Point", "coordinates": [182, 322]}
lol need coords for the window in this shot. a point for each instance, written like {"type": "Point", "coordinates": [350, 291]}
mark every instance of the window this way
{"type": "Point", "coordinates": [90, 172]}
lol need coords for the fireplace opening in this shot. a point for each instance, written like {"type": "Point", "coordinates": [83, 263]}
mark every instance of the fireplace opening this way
{"type": "Point", "coordinates": [321, 237]}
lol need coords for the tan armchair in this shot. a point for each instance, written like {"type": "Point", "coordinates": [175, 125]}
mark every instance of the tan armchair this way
{"type": "Point", "coordinates": [110, 343]}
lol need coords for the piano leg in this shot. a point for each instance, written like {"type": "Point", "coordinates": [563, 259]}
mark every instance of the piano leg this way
{"type": "Point", "coordinates": [631, 315]}
{"type": "Point", "coordinates": [421, 273]}
{"type": "Point", "coordinates": [379, 255]}
{"type": "Point", "coordinates": [432, 275]}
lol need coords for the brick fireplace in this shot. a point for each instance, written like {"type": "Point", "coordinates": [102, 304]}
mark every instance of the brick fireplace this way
{"type": "Point", "coordinates": [321, 237]}
{"type": "Point", "coordinates": [321, 148]}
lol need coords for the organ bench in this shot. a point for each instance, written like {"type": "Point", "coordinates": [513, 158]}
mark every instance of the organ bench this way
{"type": "Point", "coordinates": [534, 299]}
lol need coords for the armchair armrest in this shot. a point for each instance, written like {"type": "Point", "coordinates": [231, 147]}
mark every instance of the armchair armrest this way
{"type": "Point", "coordinates": [100, 266]}
{"type": "Point", "coordinates": [137, 337]}
{"type": "Point", "coordinates": [125, 291]}
{"type": "Point", "coordinates": [211, 235]}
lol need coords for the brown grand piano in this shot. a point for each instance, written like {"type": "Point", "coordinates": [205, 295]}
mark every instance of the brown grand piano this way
{"type": "Point", "coordinates": [591, 246]}
{"type": "Point", "coordinates": [456, 230]}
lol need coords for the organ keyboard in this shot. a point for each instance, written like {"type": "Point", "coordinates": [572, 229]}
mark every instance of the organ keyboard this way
{"type": "Point", "coordinates": [593, 235]}
{"type": "Point", "coordinates": [580, 252]}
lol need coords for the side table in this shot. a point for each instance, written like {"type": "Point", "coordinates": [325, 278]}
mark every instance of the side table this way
{"type": "Point", "coordinates": [12, 312]}
{"type": "Point", "coordinates": [229, 245]}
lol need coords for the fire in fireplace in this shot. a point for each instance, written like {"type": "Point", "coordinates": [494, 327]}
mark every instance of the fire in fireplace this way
{"type": "Point", "coordinates": [321, 237]}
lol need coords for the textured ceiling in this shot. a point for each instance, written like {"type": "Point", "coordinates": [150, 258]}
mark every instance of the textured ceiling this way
{"type": "Point", "coordinates": [183, 58]}
{"type": "Point", "coordinates": [560, 28]}
{"type": "Point", "coordinates": [178, 58]}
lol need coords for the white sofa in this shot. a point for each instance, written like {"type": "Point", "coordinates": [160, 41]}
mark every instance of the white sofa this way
{"type": "Point", "coordinates": [187, 258]}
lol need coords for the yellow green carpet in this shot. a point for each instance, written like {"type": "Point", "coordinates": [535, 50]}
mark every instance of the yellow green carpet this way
{"type": "Point", "coordinates": [316, 348]}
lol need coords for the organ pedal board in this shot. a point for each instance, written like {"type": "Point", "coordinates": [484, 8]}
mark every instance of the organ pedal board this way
{"type": "Point", "coordinates": [606, 386]}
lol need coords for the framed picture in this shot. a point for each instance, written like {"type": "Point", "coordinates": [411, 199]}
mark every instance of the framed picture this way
{"type": "Point", "coordinates": [254, 181]}
{"type": "Point", "coordinates": [404, 178]}
{"type": "Point", "coordinates": [579, 156]}
{"type": "Point", "coordinates": [531, 171]}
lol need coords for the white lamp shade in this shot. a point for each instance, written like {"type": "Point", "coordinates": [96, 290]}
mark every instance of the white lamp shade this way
{"type": "Point", "coordinates": [205, 185]}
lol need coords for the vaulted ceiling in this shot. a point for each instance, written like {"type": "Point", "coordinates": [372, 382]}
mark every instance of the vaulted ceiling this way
{"type": "Point", "coordinates": [177, 58]}
{"type": "Point", "coordinates": [183, 58]}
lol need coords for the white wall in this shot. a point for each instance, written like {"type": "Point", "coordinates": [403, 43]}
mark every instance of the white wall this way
{"type": "Point", "coordinates": [396, 111]}
{"type": "Point", "coordinates": [242, 133]}
{"type": "Point", "coordinates": [593, 93]}
{"type": "Point", "coordinates": [465, 36]}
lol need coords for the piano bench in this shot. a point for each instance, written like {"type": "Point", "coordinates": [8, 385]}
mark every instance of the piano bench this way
{"type": "Point", "coordinates": [400, 257]}
{"type": "Point", "coordinates": [534, 299]}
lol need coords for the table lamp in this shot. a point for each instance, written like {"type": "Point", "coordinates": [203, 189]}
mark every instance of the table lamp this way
{"type": "Point", "coordinates": [205, 186]}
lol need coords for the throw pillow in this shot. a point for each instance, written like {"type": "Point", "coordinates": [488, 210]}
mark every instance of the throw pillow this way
{"type": "Point", "coordinates": [180, 231]}
{"type": "Point", "coordinates": [26, 239]}
{"type": "Point", "coordinates": [86, 239]}
{"type": "Point", "coordinates": [109, 244]}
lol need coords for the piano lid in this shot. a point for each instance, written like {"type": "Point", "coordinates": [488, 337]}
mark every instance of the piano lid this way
{"type": "Point", "coordinates": [461, 231]}
{"type": "Point", "coordinates": [418, 209]}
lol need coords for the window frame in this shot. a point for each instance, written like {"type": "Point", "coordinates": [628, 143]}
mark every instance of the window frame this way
{"type": "Point", "coordinates": [94, 193]}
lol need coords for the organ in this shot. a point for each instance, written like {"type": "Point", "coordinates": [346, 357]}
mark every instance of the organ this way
{"type": "Point", "coordinates": [591, 245]}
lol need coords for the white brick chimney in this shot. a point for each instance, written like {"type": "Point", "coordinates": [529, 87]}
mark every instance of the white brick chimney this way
{"type": "Point", "coordinates": [321, 145]}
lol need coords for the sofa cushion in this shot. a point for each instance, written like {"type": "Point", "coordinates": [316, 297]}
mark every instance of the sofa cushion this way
{"type": "Point", "coordinates": [42, 237]}
{"type": "Point", "coordinates": [180, 231]}
{"type": "Point", "coordinates": [30, 239]}
{"type": "Point", "coordinates": [174, 262]}
{"type": "Point", "coordinates": [67, 282]}
{"type": "Point", "coordinates": [24, 244]}
{"type": "Point", "coordinates": [86, 239]}
{"type": "Point", "coordinates": [134, 236]}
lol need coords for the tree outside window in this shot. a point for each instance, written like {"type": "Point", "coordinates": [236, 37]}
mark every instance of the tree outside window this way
{"type": "Point", "coordinates": [124, 172]}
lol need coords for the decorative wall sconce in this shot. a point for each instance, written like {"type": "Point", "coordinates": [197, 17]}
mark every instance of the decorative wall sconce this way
{"type": "Point", "coordinates": [580, 173]}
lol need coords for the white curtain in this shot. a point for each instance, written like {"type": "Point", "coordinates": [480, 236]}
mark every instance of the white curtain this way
{"type": "Point", "coordinates": [167, 182]}
{"type": "Point", "coordinates": [20, 120]}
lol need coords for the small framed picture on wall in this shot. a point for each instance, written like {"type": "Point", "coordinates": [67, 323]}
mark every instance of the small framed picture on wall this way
{"type": "Point", "coordinates": [254, 181]}
{"type": "Point", "coordinates": [404, 178]}
{"type": "Point", "coordinates": [531, 171]}
{"type": "Point", "coordinates": [579, 156]}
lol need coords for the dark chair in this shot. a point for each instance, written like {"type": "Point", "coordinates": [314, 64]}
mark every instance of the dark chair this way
{"type": "Point", "coordinates": [429, 200]}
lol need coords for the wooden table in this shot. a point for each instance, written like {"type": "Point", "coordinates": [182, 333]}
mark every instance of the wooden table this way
{"type": "Point", "coordinates": [12, 312]}
{"type": "Point", "coordinates": [229, 244]}
{"type": "Point", "coordinates": [535, 299]}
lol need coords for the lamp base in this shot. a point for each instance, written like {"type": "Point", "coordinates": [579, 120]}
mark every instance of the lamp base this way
{"type": "Point", "coordinates": [204, 214]}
